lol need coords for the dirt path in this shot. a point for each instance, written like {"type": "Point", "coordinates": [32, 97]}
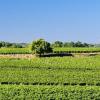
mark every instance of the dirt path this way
{"type": "Point", "coordinates": [22, 56]}
{"type": "Point", "coordinates": [30, 56]}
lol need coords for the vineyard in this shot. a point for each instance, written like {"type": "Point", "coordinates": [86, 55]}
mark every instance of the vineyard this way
{"type": "Point", "coordinates": [55, 50]}
{"type": "Point", "coordinates": [49, 50]}
{"type": "Point", "coordinates": [57, 78]}
{"type": "Point", "coordinates": [76, 50]}
{"type": "Point", "coordinates": [22, 92]}
{"type": "Point", "coordinates": [15, 51]}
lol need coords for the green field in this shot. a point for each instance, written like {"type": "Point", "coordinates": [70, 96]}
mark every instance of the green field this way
{"type": "Point", "coordinates": [49, 49]}
{"type": "Point", "coordinates": [15, 51]}
{"type": "Point", "coordinates": [55, 50]}
{"type": "Point", "coordinates": [76, 50]}
{"type": "Point", "coordinates": [37, 92]}
{"type": "Point", "coordinates": [66, 70]}
{"type": "Point", "coordinates": [49, 78]}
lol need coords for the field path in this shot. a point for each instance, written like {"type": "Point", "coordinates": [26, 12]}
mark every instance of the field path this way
{"type": "Point", "coordinates": [23, 56]}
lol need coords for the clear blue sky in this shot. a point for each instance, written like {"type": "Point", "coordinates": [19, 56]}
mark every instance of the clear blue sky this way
{"type": "Point", "coordinates": [65, 20]}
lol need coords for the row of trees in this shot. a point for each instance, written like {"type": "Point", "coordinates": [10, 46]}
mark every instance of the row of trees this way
{"type": "Point", "coordinates": [41, 46]}
{"type": "Point", "coordinates": [71, 44]}
{"type": "Point", "coordinates": [55, 44]}
{"type": "Point", "coordinates": [12, 45]}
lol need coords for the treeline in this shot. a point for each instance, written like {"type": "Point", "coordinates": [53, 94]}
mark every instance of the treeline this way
{"type": "Point", "coordinates": [55, 44]}
{"type": "Point", "coordinates": [71, 44]}
{"type": "Point", "coordinates": [12, 45]}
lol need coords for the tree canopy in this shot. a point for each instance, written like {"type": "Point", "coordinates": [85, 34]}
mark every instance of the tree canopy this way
{"type": "Point", "coordinates": [41, 46]}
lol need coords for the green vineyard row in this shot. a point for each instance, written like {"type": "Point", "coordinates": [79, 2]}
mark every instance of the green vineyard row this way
{"type": "Point", "coordinates": [55, 50]}
{"type": "Point", "coordinates": [85, 63]}
{"type": "Point", "coordinates": [13, 92]}
{"type": "Point", "coordinates": [56, 70]}
{"type": "Point", "coordinates": [76, 50]}
{"type": "Point", "coordinates": [58, 77]}
{"type": "Point", "coordinates": [15, 51]}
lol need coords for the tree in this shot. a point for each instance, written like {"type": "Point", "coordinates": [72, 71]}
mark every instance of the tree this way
{"type": "Point", "coordinates": [17, 45]}
{"type": "Point", "coordinates": [85, 45]}
{"type": "Point", "coordinates": [69, 44]}
{"type": "Point", "coordinates": [57, 44]}
{"type": "Point", "coordinates": [0, 44]}
{"type": "Point", "coordinates": [41, 46]}
{"type": "Point", "coordinates": [7, 44]}
{"type": "Point", "coordinates": [78, 44]}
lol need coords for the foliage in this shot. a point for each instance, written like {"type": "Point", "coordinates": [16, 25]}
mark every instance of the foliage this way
{"type": "Point", "coordinates": [76, 50]}
{"type": "Point", "coordinates": [14, 51]}
{"type": "Point", "coordinates": [12, 45]}
{"type": "Point", "coordinates": [53, 78]}
{"type": "Point", "coordinates": [41, 46]}
{"type": "Point", "coordinates": [55, 71]}
{"type": "Point", "coordinates": [71, 44]}
{"type": "Point", "coordinates": [57, 44]}
{"type": "Point", "coordinates": [37, 92]}
{"type": "Point", "coordinates": [55, 50]}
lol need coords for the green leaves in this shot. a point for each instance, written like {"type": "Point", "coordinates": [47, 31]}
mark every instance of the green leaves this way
{"type": "Point", "coordinates": [14, 92]}
{"type": "Point", "coordinates": [41, 46]}
{"type": "Point", "coordinates": [15, 51]}
{"type": "Point", "coordinates": [56, 70]}
{"type": "Point", "coordinates": [54, 78]}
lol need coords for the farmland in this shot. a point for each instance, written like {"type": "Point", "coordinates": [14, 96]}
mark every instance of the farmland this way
{"type": "Point", "coordinates": [15, 51]}
{"type": "Point", "coordinates": [22, 92]}
{"type": "Point", "coordinates": [49, 50]}
{"type": "Point", "coordinates": [51, 71]}
{"type": "Point", "coordinates": [76, 50]}
{"type": "Point", "coordinates": [55, 50]}
{"type": "Point", "coordinates": [49, 77]}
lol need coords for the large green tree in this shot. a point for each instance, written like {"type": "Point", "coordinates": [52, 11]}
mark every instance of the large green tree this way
{"type": "Point", "coordinates": [41, 46]}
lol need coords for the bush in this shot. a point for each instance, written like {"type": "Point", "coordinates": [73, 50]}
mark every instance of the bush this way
{"type": "Point", "coordinates": [41, 46]}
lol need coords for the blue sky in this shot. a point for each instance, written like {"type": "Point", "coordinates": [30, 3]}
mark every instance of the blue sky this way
{"type": "Point", "coordinates": [64, 20]}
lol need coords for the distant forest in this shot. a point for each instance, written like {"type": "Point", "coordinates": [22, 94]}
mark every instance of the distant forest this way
{"type": "Point", "coordinates": [12, 45]}
{"type": "Point", "coordinates": [55, 44]}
